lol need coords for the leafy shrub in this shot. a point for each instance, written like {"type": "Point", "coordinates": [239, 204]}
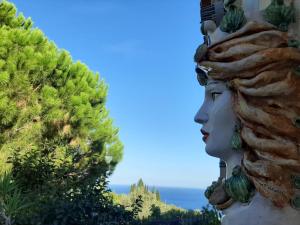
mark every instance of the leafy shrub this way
{"type": "Point", "coordinates": [12, 203]}
{"type": "Point", "coordinates": [91, 205]}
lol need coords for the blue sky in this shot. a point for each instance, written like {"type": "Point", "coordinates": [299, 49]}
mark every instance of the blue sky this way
{"type": "Point", "coordinates": [144, 51]}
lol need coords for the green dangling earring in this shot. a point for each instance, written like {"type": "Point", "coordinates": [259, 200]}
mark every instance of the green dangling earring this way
{"type": "Point", "coordinates": [236, 141]}
{"type": "Point", "coordinates": [239, 187]}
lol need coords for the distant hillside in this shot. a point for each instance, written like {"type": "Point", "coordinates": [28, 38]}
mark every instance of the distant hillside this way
{"type": "Point", "coordinates": [186, 198]}
{"type": "Point", "coordinates": [154, 211]}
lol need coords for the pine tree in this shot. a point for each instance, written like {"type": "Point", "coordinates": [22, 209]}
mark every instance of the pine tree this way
{"type": "Point", "coordinates": [140, 184]}
{"type": "Point", "coordinates": [52, 110]}
{"type": "Point", "coordinates": [157, 194]}
{"type": "Point", "coordinates": [132, 188]}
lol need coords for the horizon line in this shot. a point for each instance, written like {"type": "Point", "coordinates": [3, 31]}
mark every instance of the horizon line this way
{"type": "Point", "coordinates": [160, 186]}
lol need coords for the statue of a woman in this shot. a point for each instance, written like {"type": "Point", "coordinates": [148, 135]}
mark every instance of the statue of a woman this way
{"type": "Point", "coordinates": [251, 113]}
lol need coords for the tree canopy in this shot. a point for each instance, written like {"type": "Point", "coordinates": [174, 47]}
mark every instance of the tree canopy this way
{"type": "Point", "coordinates": [56, 136]}
{"type": "Point", "coordinates": [50, 106]}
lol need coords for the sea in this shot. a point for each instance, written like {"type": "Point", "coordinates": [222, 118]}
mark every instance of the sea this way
{"type": "Point", "coordinates": [186, 198]}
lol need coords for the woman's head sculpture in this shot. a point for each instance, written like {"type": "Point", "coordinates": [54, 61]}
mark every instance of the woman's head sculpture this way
{"type": "Point", "coordinates": [252, 82]}
{"type": "Point", "coordinates": [218, 119]}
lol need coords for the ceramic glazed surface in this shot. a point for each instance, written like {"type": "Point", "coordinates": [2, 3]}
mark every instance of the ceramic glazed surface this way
{"type": "Point", "coordinates": [250, 115]}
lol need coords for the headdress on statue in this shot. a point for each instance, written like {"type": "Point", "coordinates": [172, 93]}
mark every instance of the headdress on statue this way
{"type": "Point", "coordinates": [253, 45]}
{"type": "Point", "coordinates": [220, 17]}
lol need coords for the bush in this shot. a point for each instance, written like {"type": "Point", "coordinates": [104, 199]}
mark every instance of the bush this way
{"type": "Point", "coordinates": [12, 203]}
{"type": "Point", "coordinates": [91, 205]}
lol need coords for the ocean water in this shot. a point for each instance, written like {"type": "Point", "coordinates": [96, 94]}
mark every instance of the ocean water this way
{"type": "Point", "coordinates": [187, 198]}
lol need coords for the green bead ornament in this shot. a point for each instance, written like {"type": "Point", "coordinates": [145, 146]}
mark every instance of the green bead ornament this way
{"type": "Point", "coordinates": [239, 187]}
{"type": "Point", "coordinates": [295, 202]}
{"type": "Point", "coordinates": [296, 181]}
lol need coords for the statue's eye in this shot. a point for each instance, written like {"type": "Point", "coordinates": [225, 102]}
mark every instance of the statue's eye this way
{"type": "Point", "coordinates": [214, 95]}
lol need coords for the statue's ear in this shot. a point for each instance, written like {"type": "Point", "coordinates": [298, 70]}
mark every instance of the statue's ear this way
{"type": "Point", "coordinates": [202, 75]}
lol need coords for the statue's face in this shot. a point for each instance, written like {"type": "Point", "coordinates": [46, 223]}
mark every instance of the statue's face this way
{"type": "Point", "coordinates": [218, 119]}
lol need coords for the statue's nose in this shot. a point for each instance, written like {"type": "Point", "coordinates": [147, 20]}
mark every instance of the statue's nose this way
{"type": "Point", "coordinates": [201, 116]}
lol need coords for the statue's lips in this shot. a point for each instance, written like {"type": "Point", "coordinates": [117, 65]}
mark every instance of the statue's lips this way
{"type": "Point", "coordinates": [205, 135]}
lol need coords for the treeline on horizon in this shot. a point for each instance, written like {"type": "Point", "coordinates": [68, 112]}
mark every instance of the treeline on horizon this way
{"type": "Point", "coordinates": [58, 144]}
{"type": "Point", "coordinates": [153, 211]}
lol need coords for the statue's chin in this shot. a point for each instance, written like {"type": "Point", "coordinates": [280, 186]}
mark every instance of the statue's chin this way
{"type": "Point", "coordinates": [214, 152]}
{"type": "Point", "coordinates": [217, 150]}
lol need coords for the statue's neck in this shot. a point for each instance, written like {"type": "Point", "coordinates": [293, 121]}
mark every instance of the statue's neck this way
{"type": "Point", "coordinates": [232, 161]}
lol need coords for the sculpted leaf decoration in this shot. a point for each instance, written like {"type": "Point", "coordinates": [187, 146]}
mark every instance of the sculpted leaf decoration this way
{"type": "Point", "coordinates": [233, 20]}
{"type": "Point", "coordinates": [280, 15]}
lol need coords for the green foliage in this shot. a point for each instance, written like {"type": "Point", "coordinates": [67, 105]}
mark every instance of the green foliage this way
{"type": "Point", "coordinates": [211, 216]}
{"type": "Point", "coordinates": [8, 17]}
{"type": "Point", "coordinates": [55, 132]}
{"type": "Point", "coordinates": [132, 187]}
{"type": "Point", "coordinates": [47, 98]}
{"type": "Point", "coordinates": [280, 15]}
{"type": "Point", "coordinates": [34, 167]}
{"type": "Point", "coordinates": [149, 198]}
{"type": "Point", "coordinates": [91, 205]}
{"type": "Point", "coordinates": [154, 212]}
{"type": "Point", "coordinates": [140, 184]}
{"type": "Point", "coordinates": [207, 216]}
{"type": "Point", "coordinates": [157, 194]}
{"type": "Point", "coordinates": [136, 206]}
{"type": "Point", "coordinates": [12, 203]}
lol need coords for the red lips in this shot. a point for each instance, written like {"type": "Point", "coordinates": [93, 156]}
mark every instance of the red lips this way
{"type": "Point", "coordinates": [205, 135]}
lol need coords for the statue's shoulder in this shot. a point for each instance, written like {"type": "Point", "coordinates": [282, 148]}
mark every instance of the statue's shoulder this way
{"type": "Point", "coordinates": [260, 211]}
